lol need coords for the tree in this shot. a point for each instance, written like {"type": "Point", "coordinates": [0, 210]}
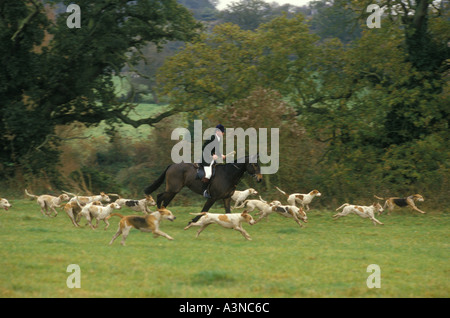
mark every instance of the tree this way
{"type": "Point", "coordinates": [228, 63]}
{"type": "Point", "coordinates": [335, 19]}
{"type": "Point", "coordinates": [52, 75]}
{"type": "Point", "coordinates": [248, 14]}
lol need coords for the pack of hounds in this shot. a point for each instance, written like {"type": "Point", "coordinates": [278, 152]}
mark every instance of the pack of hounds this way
{"type": "Point", "coordinates": [93, 208]}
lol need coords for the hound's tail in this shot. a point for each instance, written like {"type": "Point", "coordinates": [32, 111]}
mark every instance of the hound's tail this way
{"type": "Point", "coordinates": [69, 193]}
{"type": "Point", "coordinates": [282, 192]}
{"type": "Point", "coordinates": [155, 185]}
{"type": "Point", "coordinates": [377, 197]}
{"type": "Point", "coordinates": [242, 205]}
{"type": "Point", "coordinates": [345, 204]}
{"type": "Point", "coordinates": [31, 195]}
{"type": "Point", "coordinates": [262, 200]}
{"type": "Point", "coordinates": [198, 217]}
{"type": "Point", "coordinates": [115, 214]}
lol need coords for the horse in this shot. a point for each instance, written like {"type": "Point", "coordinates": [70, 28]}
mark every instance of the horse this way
{"type": "Point", "coordinates": [222, 184]}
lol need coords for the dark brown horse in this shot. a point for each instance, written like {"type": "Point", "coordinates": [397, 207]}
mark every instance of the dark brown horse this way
{"type": "Point", "coordinates": [222, 184]}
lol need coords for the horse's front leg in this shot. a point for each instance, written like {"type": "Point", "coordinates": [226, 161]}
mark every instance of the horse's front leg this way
{"type": "Point", "coordinates": [227, 205]}
{"type": "Point", "coordinates": [209, 203]}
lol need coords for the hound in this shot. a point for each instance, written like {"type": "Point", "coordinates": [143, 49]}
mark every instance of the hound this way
{"type": "Point", "coordinates": [73, 210]}
{"type": "Point", "coordinates": [362, 211]}
{"type": "Point", "coordinates": [91, 211]}
{"type": "Point", "coordinates": [102, 197]}
{"type": "Point", "coordinates": [49, 202]}
{"type": "Point", "coordinates": [4, 204]}
{"type": "Point", "coordinates": [229, 221]}
{"type": "Point", "coordinates": [148, 223]}
{"type": "Point", "coordinates": [302, 199]}
{"type": "Point", "coordinates": [288, 211]}
{"type": "Point", "coordinates": [241, 196]}
{"type": "Point", "coordinates": [260, 205]}
{"type": "Point", "coordinates": [137, 205]}
{"type": "Point", "coordinates": [402, 202]}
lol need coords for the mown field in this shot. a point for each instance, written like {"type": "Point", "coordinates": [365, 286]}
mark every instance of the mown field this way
{"type": "Point", "coordinates": [325, 258]}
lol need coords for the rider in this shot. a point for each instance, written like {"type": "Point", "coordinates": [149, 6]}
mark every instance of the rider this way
{"type": "Point", "coordinates": [208, 159]}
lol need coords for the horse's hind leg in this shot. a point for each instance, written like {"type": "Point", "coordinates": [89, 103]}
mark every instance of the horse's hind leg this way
{"type": "Point", "coordinates": [163, 199]}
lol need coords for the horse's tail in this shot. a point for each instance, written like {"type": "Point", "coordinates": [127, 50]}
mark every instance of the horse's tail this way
{"type": "Point", "coordinates": [155, 185]}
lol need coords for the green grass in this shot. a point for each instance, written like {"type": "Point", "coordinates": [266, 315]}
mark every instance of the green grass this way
{"type": "Point", "coordinates": [325, 258]}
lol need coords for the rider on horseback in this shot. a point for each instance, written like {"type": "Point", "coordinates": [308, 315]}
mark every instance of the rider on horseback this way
{"type": "Point", "coordinates": [209, 157]}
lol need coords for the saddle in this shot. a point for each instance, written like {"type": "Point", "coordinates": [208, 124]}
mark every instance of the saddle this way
{"type": "Point", "coordinates": [201, 172]}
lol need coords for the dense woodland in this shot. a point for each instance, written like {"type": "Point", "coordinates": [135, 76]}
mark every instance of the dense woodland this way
{"type": "Point", "coordinates": [361, 111]}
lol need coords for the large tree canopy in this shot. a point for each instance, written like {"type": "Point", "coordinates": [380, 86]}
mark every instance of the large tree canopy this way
{"type": "Point", "coordinates": [53, 75]}
{"type": "Point", "coordinates": [379, 102]}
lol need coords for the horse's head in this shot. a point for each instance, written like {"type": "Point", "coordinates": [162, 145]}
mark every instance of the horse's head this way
{"type": "Point", "coordinates": [253, 168]}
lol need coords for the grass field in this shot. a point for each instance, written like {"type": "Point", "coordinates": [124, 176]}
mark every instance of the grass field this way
{"type": "Point", "coordinates": [325, 258]}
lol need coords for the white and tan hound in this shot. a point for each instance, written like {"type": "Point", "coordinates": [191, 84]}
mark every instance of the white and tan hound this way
{"type": "Point", "coordinates": [362, 211]}
{"type": "Point", "coordinates": [229, 220]}
{"type": "Point", "coordinates": [137, 205]}
{"type": "Point", "coordinates": [92, 211]}
{"type": "Point", "coordinates": [288, 211]}
{"type": "Point", "coordinates": [102, 197]}
{"type": "Point", "coordinates": [4, 204]}
{"type": "Point", "coordinates": [47, 202]}
{"type": "Point", "coordinates": [240, 196]}
{"type": "Point", "coordinates": [303, 199]}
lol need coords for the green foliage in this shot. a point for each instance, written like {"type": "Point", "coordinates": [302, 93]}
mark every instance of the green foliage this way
{"type": "Point", "coordinates": [52, 75]}
{"type": "Point", "coordinates": [335, 19]}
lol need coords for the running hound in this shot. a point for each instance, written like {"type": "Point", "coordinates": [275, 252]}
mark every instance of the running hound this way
{"type": "Point", "coordinates": [4, 204]}
{"type": "Point", "coordinates": [47, 202]}
{"type": "Point", "coordinates": [241, 196]}
{"type": "Point", "coordinates": [288, 211]}
{"type": "Point", "coordinates": [91, 211]}
{"type": "Point", "coordinates": [148, 223]}
{"type": "Point", "coordinates": [228, 220]}
{"type": "Point", "coordinates": [302, 199]}
{"type": "Point", "coordinates": [402, 202]}
{"type": "Point", "coordinates": [362, 211]}
{"type": "Point", "coordinates": [102, 197]}
{"type": "Point", "coordinates": [137, 205]}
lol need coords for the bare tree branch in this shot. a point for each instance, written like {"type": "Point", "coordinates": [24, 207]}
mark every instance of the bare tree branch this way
{"type": "Point", "coordinates": [26, 21]}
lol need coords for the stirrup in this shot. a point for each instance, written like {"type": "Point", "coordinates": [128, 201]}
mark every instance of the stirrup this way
{"type": "Point", "coordinates": [206, 194]}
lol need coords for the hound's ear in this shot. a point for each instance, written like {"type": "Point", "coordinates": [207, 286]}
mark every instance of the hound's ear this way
{"type": "Point", "coordinates": [162, 207]}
